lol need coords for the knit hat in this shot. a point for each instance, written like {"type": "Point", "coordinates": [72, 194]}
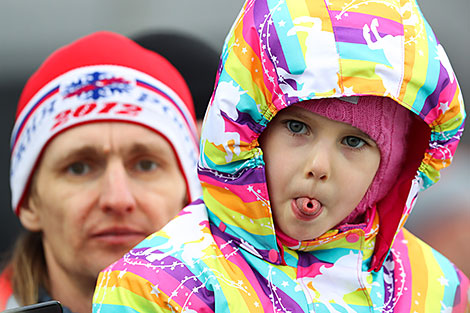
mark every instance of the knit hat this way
{"type": "Point", "coordinates": [384, 121]}
{"type": "Point", "coordinates": [102, 77]}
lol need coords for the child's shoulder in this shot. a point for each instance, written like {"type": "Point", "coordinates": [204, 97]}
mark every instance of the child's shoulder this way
{"type": "Point", "coordinates": [426, 263]}
{"type": "Point", "coordinates": [161, 264]}
{"type": "Point", "coordinates": [424, 277]}
{"type": "Point", "coordinates": [189, 227]}
{"type": "Point", "coordinates": [182, 243]}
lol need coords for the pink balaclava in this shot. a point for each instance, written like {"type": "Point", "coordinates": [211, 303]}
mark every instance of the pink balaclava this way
{"type": "Point", "coordinates": [384, 121]}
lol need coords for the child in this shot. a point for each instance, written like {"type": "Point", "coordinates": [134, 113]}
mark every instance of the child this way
{"type": "Point", "coordinates": [327, 119]}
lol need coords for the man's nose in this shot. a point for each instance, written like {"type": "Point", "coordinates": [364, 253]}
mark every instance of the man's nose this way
{"type": "Point", "coordinates": [116, 194]}
{"type": "Point", "coordinates": [319, 162]}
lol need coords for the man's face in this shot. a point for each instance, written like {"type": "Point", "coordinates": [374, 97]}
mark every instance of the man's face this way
{"type": "Point", "coordinates": [318, 170]}
{"type": "Point", "coordinates": [99, 190]}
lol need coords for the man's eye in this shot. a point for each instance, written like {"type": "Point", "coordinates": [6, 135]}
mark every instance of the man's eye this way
{"type": "Point", "coordinates": [354, 142]}
{"type": "Point", "coordinates": [146, 165]}
{"type": "Point", "coordinates": [78, 168]}
{"type": "Point", "coordinates": [296, 127]}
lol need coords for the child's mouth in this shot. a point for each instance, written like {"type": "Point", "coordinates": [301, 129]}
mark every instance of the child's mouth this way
{"type": "Point", "coordinates": [306, 208]}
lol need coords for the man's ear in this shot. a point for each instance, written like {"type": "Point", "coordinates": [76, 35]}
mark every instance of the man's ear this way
{"type": "Point", "coordinates": [29, 215]}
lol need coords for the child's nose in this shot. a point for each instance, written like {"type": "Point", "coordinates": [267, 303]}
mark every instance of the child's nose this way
{"type": "Point", "coordinates": [116, 195]}
{"type": "Point", "coordinates": [319, 164]}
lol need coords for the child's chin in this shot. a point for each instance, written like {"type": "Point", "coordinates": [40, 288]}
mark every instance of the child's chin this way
{"type": "Point", "coordinates": [302, 235]}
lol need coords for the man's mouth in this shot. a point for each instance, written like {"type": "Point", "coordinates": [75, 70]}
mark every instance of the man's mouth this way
{"type": "Point", "coordinates": [119, 235]}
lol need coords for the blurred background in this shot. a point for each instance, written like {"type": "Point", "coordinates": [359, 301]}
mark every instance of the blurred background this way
{"type": "Point", "coordinates": [31, 30]}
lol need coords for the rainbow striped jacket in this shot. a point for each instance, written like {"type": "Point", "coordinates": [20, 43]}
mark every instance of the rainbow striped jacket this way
{"type": "Point", "coordinates": [222, 253]}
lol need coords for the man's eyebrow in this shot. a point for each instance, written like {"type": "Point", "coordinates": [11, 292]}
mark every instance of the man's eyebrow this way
{"type": "Point", "coordinates": [140, 147]}
{"type": "Point", "coordinates": [85, 150]}
{"type": "Point", "coordinates": [148, 147]}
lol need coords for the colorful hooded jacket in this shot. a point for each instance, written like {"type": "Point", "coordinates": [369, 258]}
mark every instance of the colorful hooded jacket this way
{"type": "Point", "coordinates": [222, 253]}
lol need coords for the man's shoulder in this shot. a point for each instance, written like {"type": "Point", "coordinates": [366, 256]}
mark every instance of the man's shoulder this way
{"type": "Point", "coordinates": [6, 290]}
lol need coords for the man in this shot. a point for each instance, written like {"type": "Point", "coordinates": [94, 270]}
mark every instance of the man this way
{"type": "Point", "coordinates": [104, 153]}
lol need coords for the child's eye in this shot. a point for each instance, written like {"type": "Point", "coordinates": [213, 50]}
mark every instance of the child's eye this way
{"type": "Point", "coordinates": [78, 168]}
{"type": "Point", "coordinates": [296, 127]}
{"type": "Point", "coordinates": [146, 165]}
{"type": "Point", "coordinates": [354, 142]}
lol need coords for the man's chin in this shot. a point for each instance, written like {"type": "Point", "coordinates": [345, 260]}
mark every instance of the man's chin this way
{"type": "Point", "coordinates": [106, 260]}
{"type": "Point", "coordinates": [109, 255]}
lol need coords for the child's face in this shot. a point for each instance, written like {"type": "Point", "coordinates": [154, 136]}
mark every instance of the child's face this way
{"type": "Point", "coordinates": [318, 170]}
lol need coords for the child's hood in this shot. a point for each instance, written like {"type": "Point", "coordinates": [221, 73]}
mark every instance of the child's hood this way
{"type": "Point", "coordinates": [282, 52]}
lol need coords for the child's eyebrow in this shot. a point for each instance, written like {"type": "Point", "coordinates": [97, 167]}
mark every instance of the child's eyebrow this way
{"type": "Point", "coordinates": [296, 114]}
{"type": "Point", "coordinates": [363, 134]}
{"type": "Point", "coordinates": [301, 115]}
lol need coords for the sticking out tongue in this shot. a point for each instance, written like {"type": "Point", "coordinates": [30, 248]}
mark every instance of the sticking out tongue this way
{"type": "Point", "coordinates": [308, 206]}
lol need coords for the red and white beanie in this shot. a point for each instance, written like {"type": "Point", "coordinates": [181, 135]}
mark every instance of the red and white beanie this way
{"type": "Point", "coordinates": [102, 77]}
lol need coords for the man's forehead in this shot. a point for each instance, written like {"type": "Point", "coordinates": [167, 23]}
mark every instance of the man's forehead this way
{"type": "Point", "coordinates": [108, 137]}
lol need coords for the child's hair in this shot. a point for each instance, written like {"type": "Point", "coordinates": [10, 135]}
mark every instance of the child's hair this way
{"type": "Point", "coordinates": [383, 121]}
